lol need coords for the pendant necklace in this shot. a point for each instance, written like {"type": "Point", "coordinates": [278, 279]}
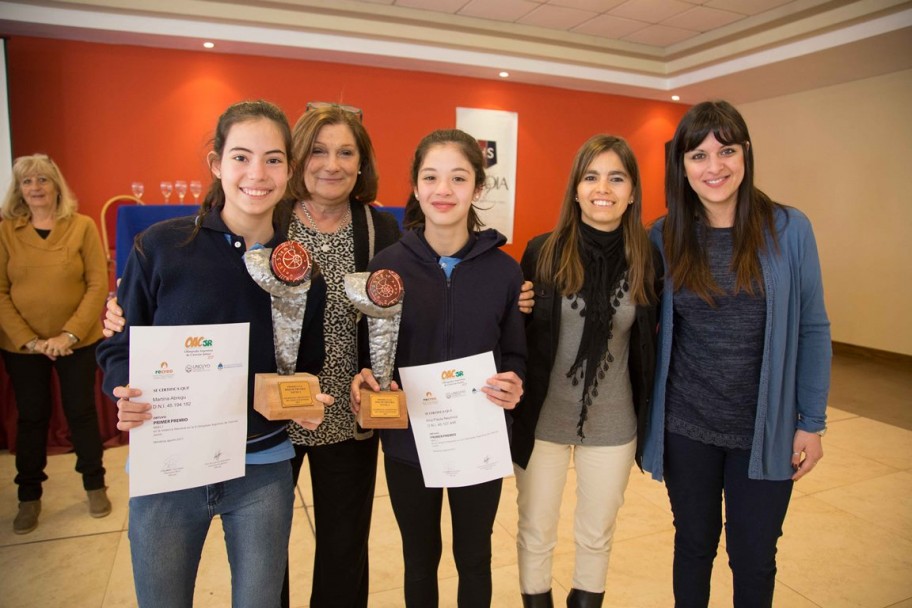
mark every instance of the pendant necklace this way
{"type": "Point", "coordinates": [321, 236]}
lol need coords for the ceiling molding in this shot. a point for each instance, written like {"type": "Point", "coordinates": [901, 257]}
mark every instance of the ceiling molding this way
{"type": "Point", "coordinates": [811, 38]}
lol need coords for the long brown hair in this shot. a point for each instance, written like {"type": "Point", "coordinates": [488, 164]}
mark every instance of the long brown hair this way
{"type": "Point", "coordinates": [754, 210]}
{"type": "Point", "coordinates": [238, 113]}
{"type": "Point", "coordinates": [559, 262]}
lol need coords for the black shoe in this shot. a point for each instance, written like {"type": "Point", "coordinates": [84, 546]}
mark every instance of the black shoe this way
{"type": "Point", "coordinates": [538, 600]}
{"type": "Point", "coordinates": [584, 599]}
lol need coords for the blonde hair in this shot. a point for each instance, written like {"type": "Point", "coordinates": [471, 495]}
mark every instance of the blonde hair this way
{"type": "Point", "coordinates": [14, 205]}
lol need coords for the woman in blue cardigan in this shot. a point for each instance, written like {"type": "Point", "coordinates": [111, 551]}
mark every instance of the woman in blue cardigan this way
{"type": "Point", "coordinates": [743, 361]}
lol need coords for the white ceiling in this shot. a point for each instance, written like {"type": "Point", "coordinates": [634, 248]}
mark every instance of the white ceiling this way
{"type": "Point", "coordinates": [742, 50]}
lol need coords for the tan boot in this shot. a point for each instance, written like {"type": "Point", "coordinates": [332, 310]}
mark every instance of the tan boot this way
{"type": "Point", "coordinates": [27, 518]}
{"type": "Point", "coordinates": [99, 505]}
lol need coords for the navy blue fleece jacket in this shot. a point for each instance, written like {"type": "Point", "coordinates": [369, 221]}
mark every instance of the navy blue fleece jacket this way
{"type": "Point", "coordinates": [171, 279]}
{"type": "Point", "coordinates": [473, 312]}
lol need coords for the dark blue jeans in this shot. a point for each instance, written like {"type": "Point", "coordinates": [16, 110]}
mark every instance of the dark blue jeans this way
{"type": "Point", "coordinates": [418, 511]}
{"type": "Point", "coordinates": [697, 475]}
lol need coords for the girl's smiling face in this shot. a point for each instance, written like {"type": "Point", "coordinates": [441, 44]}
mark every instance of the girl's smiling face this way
{"type": "Point", "coordinates": [253, 168]}
{"type": "Point", "coordinates": [446, 186]}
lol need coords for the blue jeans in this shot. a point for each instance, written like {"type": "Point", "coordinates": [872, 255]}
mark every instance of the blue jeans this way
{"type": "Point", "coordinates": [167, 532]}
{"type": "Point", "coordinates": [696, 476]}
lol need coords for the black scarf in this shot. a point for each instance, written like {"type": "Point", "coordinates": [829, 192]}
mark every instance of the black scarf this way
{"type": "Point", "coordinates": [604, 266]}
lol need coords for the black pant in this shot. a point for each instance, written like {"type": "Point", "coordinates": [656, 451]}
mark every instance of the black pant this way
{"type": "Point", "coordinates": [342, 476]}
{"type": "Point", "coordinates": [418, 511]}
{"type": "Point", "coordinates": [697, 475]}
{"type": "Point", "coordinates": [30, 376]}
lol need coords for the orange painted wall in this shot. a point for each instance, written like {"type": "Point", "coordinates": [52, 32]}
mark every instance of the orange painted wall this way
{"type": "Point", "coordinates": [113, 114]}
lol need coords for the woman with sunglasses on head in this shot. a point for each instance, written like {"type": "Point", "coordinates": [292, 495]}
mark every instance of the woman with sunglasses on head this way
{"type": "Point", "coordinates": [332, 217]}
{"type": "Point", "coordinates": [591, 340]}
{"type": "Point", "coordinates": [743, 359]}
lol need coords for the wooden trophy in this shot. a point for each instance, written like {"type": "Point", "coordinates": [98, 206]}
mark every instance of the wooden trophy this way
{"type": "Point", "coordinates": [285, 274]}
{"type": "Point", "coordinates": [379, 296]}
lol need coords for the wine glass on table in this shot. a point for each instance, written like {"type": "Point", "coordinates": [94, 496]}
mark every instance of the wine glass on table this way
{"type": "Point", "coordinates": [166, 188]}
{"type": "Point", "coordinates": [138, 189]}
{"type": "Point", "coordinates": [196, 188]}
{"type": "Point", "coordinates": [180, 186]}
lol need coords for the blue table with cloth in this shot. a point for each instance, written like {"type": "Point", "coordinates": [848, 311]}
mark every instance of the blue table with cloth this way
{"type": "Point", "coordinates": [133, 219]}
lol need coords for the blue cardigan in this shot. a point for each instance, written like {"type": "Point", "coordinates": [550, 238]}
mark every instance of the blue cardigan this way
{"type": "Point", "coordinates": [795, 372]}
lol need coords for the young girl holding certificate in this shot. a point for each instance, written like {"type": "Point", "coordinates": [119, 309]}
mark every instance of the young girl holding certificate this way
{"type": "Point", "coordinates": [191, 271]}
{"type": "Point", "coordinates": [460, 300]}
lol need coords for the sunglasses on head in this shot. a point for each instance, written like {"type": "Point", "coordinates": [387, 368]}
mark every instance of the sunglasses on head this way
{"type": "Point", "coordinates": [316, 105]}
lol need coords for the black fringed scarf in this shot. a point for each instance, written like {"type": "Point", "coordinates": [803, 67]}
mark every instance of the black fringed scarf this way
{"type": "Point", "coordinates": [604, 266]}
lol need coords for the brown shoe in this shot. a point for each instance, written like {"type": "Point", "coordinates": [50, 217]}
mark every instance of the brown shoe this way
{"type": "Point", "coordinates": [27, 518]}
{"type": "Point", "coordinates": [99, 505]}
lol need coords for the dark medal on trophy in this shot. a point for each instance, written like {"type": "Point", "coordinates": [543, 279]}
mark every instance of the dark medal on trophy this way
{"type": "Point", "coordinates": [379, 296]}
{"type": "Point", "coordinates": [284, 273]}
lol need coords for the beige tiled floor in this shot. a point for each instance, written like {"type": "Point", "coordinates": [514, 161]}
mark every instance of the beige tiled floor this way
{"type": "Point", "coordinates": [847, 541]}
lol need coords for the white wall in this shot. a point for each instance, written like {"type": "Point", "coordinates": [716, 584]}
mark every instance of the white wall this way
{"type": "Point", "coordinates": [843, 155]}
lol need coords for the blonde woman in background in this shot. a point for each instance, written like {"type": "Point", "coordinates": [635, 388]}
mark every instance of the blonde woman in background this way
{"type": "Point", "coordinates": [53, 283]}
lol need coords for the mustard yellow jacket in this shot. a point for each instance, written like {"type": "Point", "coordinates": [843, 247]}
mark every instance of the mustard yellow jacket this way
{"type": "Point", "coordinates": [51, 285]}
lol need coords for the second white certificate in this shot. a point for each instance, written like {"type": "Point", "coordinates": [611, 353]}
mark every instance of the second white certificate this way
{"type": "Point", "coordinates": [461, 436]}
{"type": "Point", "coordinates": [195, 377]}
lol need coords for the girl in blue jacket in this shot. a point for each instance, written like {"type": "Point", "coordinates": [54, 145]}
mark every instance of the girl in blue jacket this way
{"type": "Point", "coordinates": [464, 293]}
{"type": "Point", "coordinates": [191, 271]}
{"type": "Point", "coordinates": [743, 360]}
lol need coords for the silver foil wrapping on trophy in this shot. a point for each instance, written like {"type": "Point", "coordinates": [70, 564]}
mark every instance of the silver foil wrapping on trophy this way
{"type": "Point", "coordinates": [382, 326]}
{"type": "Point", "coordinates": [288, 305]}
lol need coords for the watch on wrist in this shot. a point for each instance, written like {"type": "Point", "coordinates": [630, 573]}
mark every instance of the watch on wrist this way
{"type": "Point", "coordinates": [72, 337]}
{"type": "Point", "coordinates": [821, 432]}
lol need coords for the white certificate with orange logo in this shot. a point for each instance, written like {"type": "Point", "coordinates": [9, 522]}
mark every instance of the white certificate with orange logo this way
{"type": "Point", "coordinates": [195, 377]}
{"type": "Point", "coordinates": [460, 435]}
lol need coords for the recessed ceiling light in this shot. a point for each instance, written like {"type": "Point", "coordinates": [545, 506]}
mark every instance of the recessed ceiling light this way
{"type": "Point", "coordinates": [504, 74]}
{"type": "Point", "coordinates": [209, 45]}
{"type": "Point", "coordinates": [675, 98]}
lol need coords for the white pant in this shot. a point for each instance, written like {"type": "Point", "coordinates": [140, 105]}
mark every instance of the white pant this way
{"type": "Point", "coordinates": [601, 477]}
